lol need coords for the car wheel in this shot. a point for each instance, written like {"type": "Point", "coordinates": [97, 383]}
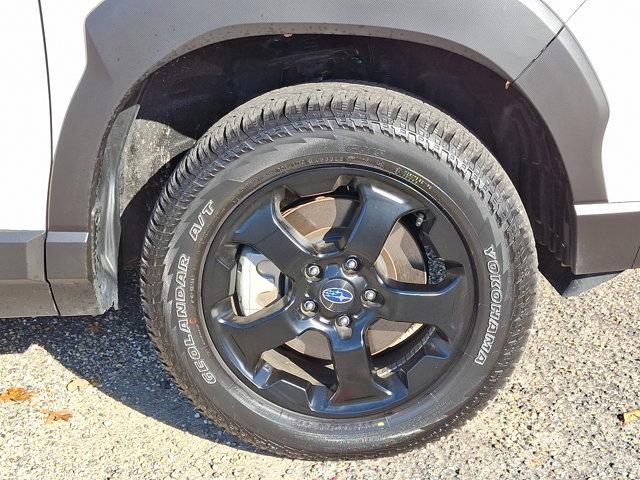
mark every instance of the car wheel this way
{"type": "Point", "coordinates": [338, 270]}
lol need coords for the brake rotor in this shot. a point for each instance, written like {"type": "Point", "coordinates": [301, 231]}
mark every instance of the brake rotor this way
{"type": "Point", "coordinates": [323, 221]}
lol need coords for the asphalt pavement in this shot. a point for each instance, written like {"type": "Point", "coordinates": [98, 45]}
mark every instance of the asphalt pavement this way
{"type": "Point", "coordinates": [558, 416]}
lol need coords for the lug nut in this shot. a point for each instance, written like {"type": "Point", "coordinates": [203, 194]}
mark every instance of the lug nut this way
{"type": "Point", "coordinates": [343, 321]}
{"type": "Point", "coordinates": [313, 271]}
{"type": "Point", "coordinates": [370, 295]}
{"type": "Point", "coordinates": [309, 307]}
{"type": "Point", "coordinates": [352, 264]}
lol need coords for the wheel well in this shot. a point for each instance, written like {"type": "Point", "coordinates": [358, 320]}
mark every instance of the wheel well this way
{"type": "Point", "coordinates": [182, 99]}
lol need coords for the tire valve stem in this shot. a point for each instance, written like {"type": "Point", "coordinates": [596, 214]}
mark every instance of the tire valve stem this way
{"type": "Point", "coordinates": [419, 219]}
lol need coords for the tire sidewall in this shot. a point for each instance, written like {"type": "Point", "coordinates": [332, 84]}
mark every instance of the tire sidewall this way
{"type": "Point", "coordinates": [211, 380]}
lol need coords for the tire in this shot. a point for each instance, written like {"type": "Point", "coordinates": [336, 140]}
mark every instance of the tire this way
{"type": "Point", "coordinates": [373, 133]}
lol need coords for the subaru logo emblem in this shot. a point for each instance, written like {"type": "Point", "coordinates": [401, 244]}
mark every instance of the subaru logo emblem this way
{"type": "Point", "coordinates": [337, 295]}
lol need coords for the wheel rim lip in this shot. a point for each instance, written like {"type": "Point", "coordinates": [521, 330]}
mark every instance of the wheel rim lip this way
{"type": "Point", "coordinates": [344, 411]}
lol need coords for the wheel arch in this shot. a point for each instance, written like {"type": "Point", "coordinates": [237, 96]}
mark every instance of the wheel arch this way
{"type": "Point", "coordinates": [82, 245]}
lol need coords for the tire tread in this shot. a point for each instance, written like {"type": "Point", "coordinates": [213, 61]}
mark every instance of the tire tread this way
{"type": "Point", "coordinates": [327, 107]}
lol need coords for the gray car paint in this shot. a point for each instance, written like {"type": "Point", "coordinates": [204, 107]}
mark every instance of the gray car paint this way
{"type": "Point", "coordinates": [149, 35]}
{"type": "Point", "coordinates": [23, 287]}
{"type": "Point", "coordinates": [567, 94]}
{"type": "Point", "coordinates": [603, 243]}
{"type": "Point", "coordinates": [128, 40]}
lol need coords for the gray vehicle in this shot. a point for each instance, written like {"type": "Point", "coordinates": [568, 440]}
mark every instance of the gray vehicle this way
{"type": "Point", "coordinates": [338, 209]}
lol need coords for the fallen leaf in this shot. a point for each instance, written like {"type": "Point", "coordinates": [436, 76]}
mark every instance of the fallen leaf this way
{"type": "Point", "coordinates": [78, 384]}
{"type": "Point", "coordinates": [629, 417]}
{"type": "Point", "coordinates": [16, 394]}
{"type": "Point", "coordinates": [56, 415]}
{"type": "Point", "coordinates": [95, 328]}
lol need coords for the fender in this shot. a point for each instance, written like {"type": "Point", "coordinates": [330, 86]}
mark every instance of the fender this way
{"type": "Point", "coordinates": [126, 41]}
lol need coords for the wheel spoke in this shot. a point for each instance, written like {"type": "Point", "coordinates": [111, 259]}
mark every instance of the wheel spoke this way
{"type": "Point", "coordinates": [307, 186]}
{"type": "Point", "coordinates": [379, 210]}
{"type": "Point", "coordinates": [444, 237]}
{"type": "Point", "coordinates": [253, 335]}
{"type": "Point", "coordinates": [271, 235]}
{"type": "Point", "coordinates": [429, 304]}
{"type": "Point", "coordinates": [352, 363]}
{"type": "Point", "coordinates": [431, 365]}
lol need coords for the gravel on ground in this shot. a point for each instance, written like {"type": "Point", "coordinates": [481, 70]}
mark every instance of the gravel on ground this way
{"type": "Point", "coordinates": [556, 418]}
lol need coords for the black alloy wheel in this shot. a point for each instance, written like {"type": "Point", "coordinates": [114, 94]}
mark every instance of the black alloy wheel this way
{"type": "Point", "coordinates": [338, 271]}
{"type": "Point", "coordinates": [343, 299]}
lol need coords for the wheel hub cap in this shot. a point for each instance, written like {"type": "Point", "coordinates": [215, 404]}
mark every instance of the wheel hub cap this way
{"type": "Point", "coordinates": [337, 295]}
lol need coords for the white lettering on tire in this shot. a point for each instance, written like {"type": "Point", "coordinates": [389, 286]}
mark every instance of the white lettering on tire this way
{"type": "Point", "coordinates": [179, 300]}
{"type": "Point", "coordinates": [197, 227]}
{"type": "Point", "coordinates": [495, 307]}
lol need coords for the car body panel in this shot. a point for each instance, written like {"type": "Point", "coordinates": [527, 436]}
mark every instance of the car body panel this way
{"type": "Point", "coordinates": [149, 35]}
{"type": "Point", "coordinates": [25, 142]}
{"type": "Point", "coordinates": [97, 64]}
{"type": "Point", "coordinates": [607, 218]}
{"type": "Point", "coordinates": [128, 40]}
{"type": "Point", "coordinates": [607, 31]}
{"type": "Point", "coordinates": [64, 27]}
{"type": "Point", "coordinates": [26, 135]}
{"type": "Point", "coordinates": [564, 9]}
